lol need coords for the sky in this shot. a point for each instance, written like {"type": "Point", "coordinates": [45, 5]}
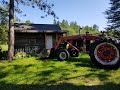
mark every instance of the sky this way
{"type": "Point", "coordinates": [84, 12]}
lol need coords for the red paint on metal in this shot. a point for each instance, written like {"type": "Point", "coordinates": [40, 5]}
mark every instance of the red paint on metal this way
{"type": "Point", "coordinates": [75, 37]}
{"type": "Point", "coordinates": [106, 53]}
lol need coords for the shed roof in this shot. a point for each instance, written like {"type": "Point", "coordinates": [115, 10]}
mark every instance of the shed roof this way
{"type": "Point", "coordinates": [22, 27]}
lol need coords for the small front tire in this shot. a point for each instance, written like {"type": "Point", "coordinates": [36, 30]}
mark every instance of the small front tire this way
{"type": "Point", "coordinates": [63, 54]}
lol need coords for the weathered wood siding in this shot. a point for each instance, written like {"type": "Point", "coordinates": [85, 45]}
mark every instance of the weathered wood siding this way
{"type": "Point", "coordinates": [33, 42]}
{"type": "Point", "coordinates": [29, 42]}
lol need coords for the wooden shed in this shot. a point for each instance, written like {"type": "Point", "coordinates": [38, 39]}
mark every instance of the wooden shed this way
{"type": "Point", "coordinates": [36, 37]}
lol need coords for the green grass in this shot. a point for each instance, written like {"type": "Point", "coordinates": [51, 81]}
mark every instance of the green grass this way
{"type": "Point", "coordinates": [4, 47]}
{"type": "Point", "coordinates": [51, 74]}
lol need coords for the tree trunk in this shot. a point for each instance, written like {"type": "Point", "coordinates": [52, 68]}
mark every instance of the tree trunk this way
{"type": "Point", "coordinates": [11, 31]}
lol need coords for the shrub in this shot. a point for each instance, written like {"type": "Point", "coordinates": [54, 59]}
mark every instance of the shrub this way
{"type": "Point", "coordinates": [3, 55]}
{"type": "Point", "coordinates": [20, 55]}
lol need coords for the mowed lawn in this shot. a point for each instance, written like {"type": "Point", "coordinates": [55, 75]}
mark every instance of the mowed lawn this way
{"type": "Point", "coordinates": [50, 74]}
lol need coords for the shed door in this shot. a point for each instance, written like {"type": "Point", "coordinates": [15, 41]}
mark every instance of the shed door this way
{"type": "Point", "coordinates": [49, 42]}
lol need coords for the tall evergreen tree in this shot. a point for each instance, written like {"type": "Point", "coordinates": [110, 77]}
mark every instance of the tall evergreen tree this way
{"type": "Point", "coordinates": [75, 26]}
{"type": "Point", "coordinates": [64, 23]}
{"type": "Point", "coordinates": [95, 27]}
{"type": "Point", "coordinates": [113, 15]}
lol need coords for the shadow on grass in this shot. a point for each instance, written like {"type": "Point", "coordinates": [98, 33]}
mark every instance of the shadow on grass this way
{"type": "Point", "coordinates": [62, 86]}
{"type": "Point", "coordinates": [41, 79]}
{"type": "Point", "coordinates": [79, 62]}
{"type": "Point", "coordinates": [45, 75]}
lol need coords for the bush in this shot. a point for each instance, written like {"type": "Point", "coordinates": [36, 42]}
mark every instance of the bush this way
{"type": "Point", "coordinates": [20, 55]}
{"type": "Point", "coordinates": [3, 55]}
{"type": "Point", "coordinates": [34, 54]}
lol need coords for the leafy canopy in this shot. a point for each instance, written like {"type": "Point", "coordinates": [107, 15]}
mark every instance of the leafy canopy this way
{"type": "Point", "coordinates": [42, 5]}
{"type": "Point", "coordinates": [74, 28]}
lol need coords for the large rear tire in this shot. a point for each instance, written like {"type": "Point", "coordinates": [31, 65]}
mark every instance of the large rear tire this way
{"type": "Point", "coordinates": [105, 54]}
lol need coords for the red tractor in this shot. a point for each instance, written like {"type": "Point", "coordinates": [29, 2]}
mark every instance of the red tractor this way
{"type": "Point", "coordinates": [104, 51]}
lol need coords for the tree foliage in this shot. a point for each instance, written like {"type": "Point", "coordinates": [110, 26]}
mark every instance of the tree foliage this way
{"type": "Point", "coordinates": [113, 16]}
{"type": "Point", "coordinates": [74, 28]}
{"type": "Point", "coordinates": [27, 22]}
{"type": "Point", "coordinates": [3, 34]}
{"type": "Point", "coordinates": [42, 5]}
{"type": "Point", "coordinates": [3, 24]}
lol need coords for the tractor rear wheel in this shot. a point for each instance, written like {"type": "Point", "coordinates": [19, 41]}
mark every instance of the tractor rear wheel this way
{"type": "Point", "coordinates": [63, 54]}
{"type": "Point", "coordinates": [105, 54]}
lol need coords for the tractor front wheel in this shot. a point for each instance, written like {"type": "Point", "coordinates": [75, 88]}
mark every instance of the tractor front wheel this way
{"type": "Point", "coordinates": [105, 54]}
{"type": "Point", "coordinates": [63, 54]}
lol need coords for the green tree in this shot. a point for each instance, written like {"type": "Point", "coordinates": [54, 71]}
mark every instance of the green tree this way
{"type": "Point", "coordinates": [3, 34]}
{"type": "Point", "coordinates": [41, 4]}
{"type": "Point", "coordinates": [113, 16]}
{"type": "Point", "coordinates": [64, 23]}
{"type": "Point", "coordinates": [87, 28]}
{"type": "Point", "coordinates": [3, 15]}
{"type": "Point", "coordinates": [3, 24]}
{"type": "Point", "coordinates": [27, 22]}
{"type": "Point", "coordinates": [95, 27]}
{"type": "Point", "coordinates": [75, 26]}
{"type": "Point", "coordinates": [91, 29]}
